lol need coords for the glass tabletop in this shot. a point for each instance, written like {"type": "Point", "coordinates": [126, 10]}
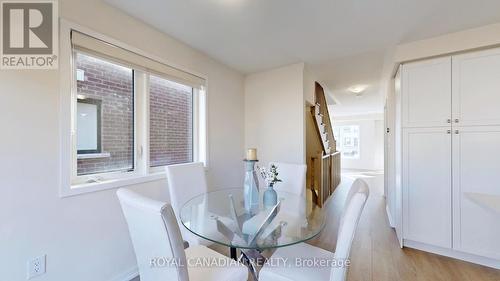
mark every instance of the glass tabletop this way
{"type": "Point", "coordinates": [220, 216]}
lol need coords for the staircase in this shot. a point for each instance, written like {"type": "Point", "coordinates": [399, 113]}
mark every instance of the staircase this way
{"type": "Point", "coordinates": [325, 165]}
{"type": "Point", "coordinates": [327, 138]}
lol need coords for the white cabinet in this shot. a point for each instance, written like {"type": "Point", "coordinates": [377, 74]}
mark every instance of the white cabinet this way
{"type": "Point", "coordinates": [427, 93]}
{"type": "Point", "coordinates": [427, 186]}
{"type": "Point", "coordinates": [476, 190]}
{"type": "Point", "coordinates": [449, 120]}
{"type": "Point", "coordinates": [476, 88]}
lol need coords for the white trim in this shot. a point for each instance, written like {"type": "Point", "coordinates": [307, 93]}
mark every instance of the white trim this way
{"type": "Point", "coordinates": [127, 275]}
{"type": "Point", "coordinates": [93, 155]}
{"type": "Point", "coordinates": [200, 134]}
{"type": "Point", "coordinates": [452, 254]}
{"type": "Point", "coordinates": [65, 77]}
{"type": "Point", "coordinates": [206, 106]}
{"type": "Point", "coordinates": [141, 122]}
{"type": "Point", "coordinates": [389, 216]}
{"type": "Point", "coordinates": [110, 184]}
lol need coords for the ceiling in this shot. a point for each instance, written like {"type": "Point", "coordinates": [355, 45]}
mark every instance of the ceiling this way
{"type": "Point", "coordinates": [338, 75]}
{"type": "Point", "coordinates": [343, 40]}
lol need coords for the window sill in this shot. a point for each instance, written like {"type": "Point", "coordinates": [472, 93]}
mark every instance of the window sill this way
{"type": "Point", "coordinates": [82, 188]}
{"type": "Point", "coordinates": [93, 155]}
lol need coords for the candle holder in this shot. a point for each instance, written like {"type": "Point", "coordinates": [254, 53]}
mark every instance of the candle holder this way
{"type": "Point", "coordinates": [251, 188]}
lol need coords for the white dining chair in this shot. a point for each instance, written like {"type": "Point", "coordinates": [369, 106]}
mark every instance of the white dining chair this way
{"type": "Point", "coordinates": [186, 181]}
{"type": "Point", "coordinates": [293, 180]}
{"type": "Point", "coordinates": [158, 245]}
{"type": "Point", "coordinates": [292, 271]}
{"type": "Point", "coordinates": [293, 177]}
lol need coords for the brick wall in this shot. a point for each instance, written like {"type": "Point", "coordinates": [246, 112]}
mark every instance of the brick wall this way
{"type": "Point", "coordinates": [171, 117]}
{"type": "Point", "coordinates": [171, 131]}
{"type": "Point", "coordinates": [113, 85]}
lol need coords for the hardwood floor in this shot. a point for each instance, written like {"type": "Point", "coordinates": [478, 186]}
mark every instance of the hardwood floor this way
{"type": "Point", "coordinates": [376, 255]}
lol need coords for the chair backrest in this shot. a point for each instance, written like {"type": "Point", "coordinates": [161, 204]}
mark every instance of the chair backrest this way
{"type": "Point", "coordinates": [185, 181]}
{"type": "Point", "coordinates": [293, 177]}
{"type": "Point", "coordinates": [155, 236]}
{"type": "Point", "coordinates": [356, 200]}
{"type": "Point", "coordinates": [334, 209]}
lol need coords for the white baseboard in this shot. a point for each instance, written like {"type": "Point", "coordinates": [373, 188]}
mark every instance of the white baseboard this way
{"type": "Point", "coordinates": [127, 275]}
{"type": "Point", "coordinates": [452, 254]}
{"type": "Point", "coordinates": [389, 216]}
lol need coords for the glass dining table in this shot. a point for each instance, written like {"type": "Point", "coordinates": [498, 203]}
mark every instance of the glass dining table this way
{"type": "Point", "coordinates": [219, 216]}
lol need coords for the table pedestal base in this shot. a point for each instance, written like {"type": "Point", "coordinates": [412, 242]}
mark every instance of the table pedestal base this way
{"type": "Point", "coordinates": [254, 260]}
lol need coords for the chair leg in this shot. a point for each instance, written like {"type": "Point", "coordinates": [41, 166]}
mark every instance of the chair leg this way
{"type": "Point", "coordinates": [233, 253]}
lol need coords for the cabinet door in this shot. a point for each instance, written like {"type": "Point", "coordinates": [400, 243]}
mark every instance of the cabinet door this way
{"type": "Point", "coordinates": [427, 186]}
{"type": "Point", "coordinates": [476, 88]}
{"type": "Point", "coordinates": [427, 93]}
{"type": "Point", "coordinates": [476, 190]}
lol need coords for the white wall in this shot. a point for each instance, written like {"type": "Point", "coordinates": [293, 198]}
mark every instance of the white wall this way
{"type": "Point", "coordinates": [85, 237]}
{"type": "Point", "coordinates": [310, 79]}
{"type": "Point", "coordinates": [274, 114]}
{"type": "Point", "coordinates": [371, 142]}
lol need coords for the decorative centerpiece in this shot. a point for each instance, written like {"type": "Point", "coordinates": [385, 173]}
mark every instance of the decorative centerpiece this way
{"type": "Point", "coordinates": [251, 185]}
{"type": "Point", "coordinates": [271, 178]}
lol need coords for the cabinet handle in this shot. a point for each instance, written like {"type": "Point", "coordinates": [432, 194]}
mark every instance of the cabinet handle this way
{"type": "Point", "coordinates": [456, 120]}
{"type": "Point", "coordinates": [456, 132]}
{"type": "Point", "coordinates": [448, 131]}
{"type": "Point", "coordinates": [448, 121]}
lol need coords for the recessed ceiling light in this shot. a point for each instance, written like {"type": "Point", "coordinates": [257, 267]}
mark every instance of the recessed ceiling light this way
{"type": "Point", "coordinates": [357, 89]}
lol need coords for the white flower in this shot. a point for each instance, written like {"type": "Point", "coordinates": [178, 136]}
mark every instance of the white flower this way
{"type": "Point", "coordinates": [269, 176]}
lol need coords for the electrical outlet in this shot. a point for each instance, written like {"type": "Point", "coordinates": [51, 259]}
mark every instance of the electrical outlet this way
{"type": "Point", "coordinates": [36, 266]}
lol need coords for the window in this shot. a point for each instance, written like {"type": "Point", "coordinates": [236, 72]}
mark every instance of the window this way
{"type": "Point", "coordinates": [348, 140]}
{"type": "Point", "coordinates": [128, 115]}
{"type": "Point", "coordinates": [105, 116]}
{"type": "Point", "coordinates": [171, 122]}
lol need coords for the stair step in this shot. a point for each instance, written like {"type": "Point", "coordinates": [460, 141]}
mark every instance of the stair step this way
{"type": "Point", "coordinates": [317, 110]}
{"type": "Point", "coordinates": [319, 120]}
{"type": "Point", "coordinates": [322, 129]}
{"type": "Point", "coordinates": [324, 133]}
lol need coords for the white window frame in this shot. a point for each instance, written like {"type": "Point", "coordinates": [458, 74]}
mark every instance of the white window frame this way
{"type": "Point", "coordinates": [72, 184]}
